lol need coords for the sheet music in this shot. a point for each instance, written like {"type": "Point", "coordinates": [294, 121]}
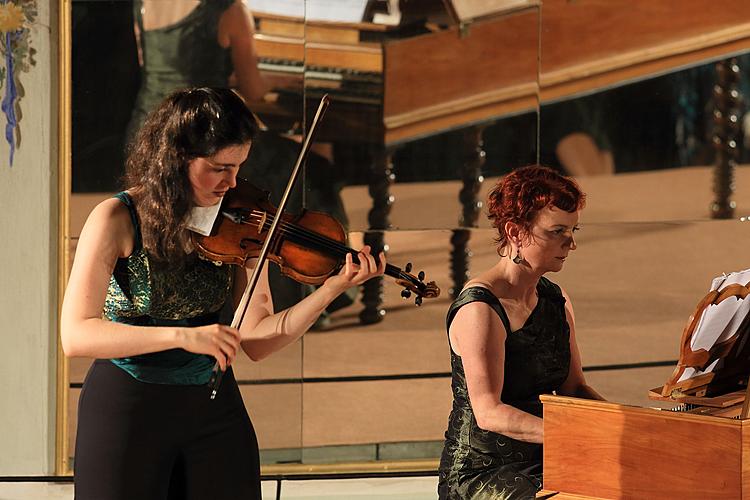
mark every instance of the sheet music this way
{"type": "Point", "coordinates": [342, 11]}
{"type": "Point", "coordinates": [290, 8]}
{"type": "Point", "coordinates": [719, 322]}
{"type": "Point", "coordinates": [393, 18]}
{"type": "Point", "coordinates": [467, 10]}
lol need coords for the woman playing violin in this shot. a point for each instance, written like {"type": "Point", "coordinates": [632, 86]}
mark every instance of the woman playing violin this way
{"type": "Point", "coordinates": [143, 303]}
{"type": "Point", "coordinates": [512, 337]}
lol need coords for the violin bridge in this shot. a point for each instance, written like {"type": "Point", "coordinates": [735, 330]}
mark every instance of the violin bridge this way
{"type": "Point", "coordinates": [262, 222]}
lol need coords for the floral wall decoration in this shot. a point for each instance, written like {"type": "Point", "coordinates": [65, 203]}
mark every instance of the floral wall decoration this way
{"type": "Point", "coordinates": [16, 17]}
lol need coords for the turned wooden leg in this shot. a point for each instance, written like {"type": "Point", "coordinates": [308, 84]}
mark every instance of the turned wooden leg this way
{"type": "Point", "coordinates": [474, 157]}
{"type": "Point", "coordinates": [727, 130]}
{"type": "Point", "coordinates": [381, 179]}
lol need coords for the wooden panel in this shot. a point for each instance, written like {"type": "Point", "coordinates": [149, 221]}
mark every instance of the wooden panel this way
{"type": "Point", "coordinates": [382, 411]}
{"type": "Point", "coordinates": [331, 34]}
{"type": "Point", "coordinates": [78, 368]}
{"type": "Point", "coordinates": [283, 26]}
{"type": "Point", "coordinates": [583, 41]}
{"type": "Point", "coordinates": [356, 57]}
{"type": "Point", "coordinates": [446, 66]}
{"type": "Point", "coordinates": [545, 494]}
{"type": "Point", "coordinates": [279, 48]}
{"type": "Point", "coordinates": [289, 27]}
{"type": "Point", "coordinates": [422, 123]}
{"type": "Point", "coordinates": [607, 450]}
{"type": "Point", "coordinates": [72, 420]}
{"type": "Point", "coordinates": [276, 413]}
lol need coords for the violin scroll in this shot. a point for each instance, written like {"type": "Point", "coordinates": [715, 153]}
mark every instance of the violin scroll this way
{"type": "Point", "coordinates": [416, 285]}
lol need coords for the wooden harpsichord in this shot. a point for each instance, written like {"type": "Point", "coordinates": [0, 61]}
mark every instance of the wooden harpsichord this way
{"type": "Point", "coordinates": [697, 449]}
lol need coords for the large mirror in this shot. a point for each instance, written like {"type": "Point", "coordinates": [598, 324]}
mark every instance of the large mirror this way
{"type": "Point", "coordinates": [431, 102]}
{"type": "Point", "coordinates": [402, 150]}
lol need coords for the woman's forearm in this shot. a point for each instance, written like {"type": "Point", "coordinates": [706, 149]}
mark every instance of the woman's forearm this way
{"type": "Point", "coordinates": [512, 422]}
{"type": "Point", "coordinates": [281, 329]}
{"type": "Point", "coordinates": [100, 338]}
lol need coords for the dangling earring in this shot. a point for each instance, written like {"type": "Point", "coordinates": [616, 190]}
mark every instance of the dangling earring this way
{"type": "Point", "coordinates": [518, 259]}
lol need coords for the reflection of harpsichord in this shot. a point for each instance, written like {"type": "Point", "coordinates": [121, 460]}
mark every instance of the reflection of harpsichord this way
{"type": "Point", "coordinates": [433, 71]}
{"type": "Point", "coordinates": [442, 66]}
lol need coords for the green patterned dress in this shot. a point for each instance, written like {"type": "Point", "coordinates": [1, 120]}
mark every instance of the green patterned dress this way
{"type": "Point", "coordinates": [141, 293]}
{"type": "Point", "coordinates": [482, 465]}
{"type": "Point", "coordinates": [182, 55]}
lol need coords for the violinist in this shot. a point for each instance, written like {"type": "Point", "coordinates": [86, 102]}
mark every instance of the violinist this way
{"type": "Point", "coordinates": [512, 337]}
{"type": "Point", "coordinates": [145, 304]}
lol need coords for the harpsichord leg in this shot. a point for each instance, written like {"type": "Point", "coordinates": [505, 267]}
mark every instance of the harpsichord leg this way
{"type": "Point", "coordinates": [727, 127]}
{"type": "Point", "coordinates": [381, 179]}
{"type": "Point", "coordinates": [473, 161]}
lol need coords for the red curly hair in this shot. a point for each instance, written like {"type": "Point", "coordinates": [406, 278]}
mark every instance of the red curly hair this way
{"type": "Point", "coordinates": [519, 196]}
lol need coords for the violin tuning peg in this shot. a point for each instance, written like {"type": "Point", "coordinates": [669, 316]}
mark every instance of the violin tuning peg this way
{"type": "Point", "coordinates": [418, 300]}
{"type": "Point", "coordinates": [405, 294]}
{"type": "Point", "coordinates": [421, 276]}
{"type": "Point", "coordinates": [407, 268]}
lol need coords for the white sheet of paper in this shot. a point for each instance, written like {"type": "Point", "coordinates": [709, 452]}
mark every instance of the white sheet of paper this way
{"type": "Point", "coordinates": [719, 322]}
{"type": "Point", "coordinates": [290, 8]}
{"type": "Point", "coordinates": [343, 11]}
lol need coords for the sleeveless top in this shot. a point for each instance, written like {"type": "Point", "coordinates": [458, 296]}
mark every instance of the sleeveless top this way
{"type": "Point", "coordinates": [181, 55]}
{"type": "Point", "coordinates": [142, 293]}
{"type": "Point", "coordinates": [537, 361]}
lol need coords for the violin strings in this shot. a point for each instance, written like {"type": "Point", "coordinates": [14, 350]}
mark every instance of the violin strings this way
{"type": "Point", "coordinates": [325, 243]}
{"type": "Point", "coordinates": [305, 235]}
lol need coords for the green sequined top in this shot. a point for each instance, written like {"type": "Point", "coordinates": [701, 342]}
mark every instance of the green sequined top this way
{"type": "Point", "coordinates": [477, 464]}
{"type": "Point", "coordinates": [141, 293]}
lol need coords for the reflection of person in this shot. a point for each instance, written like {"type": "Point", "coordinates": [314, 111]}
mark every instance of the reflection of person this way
{"type": "Point", "coordinates": [512, 338]}
{"type": "Point", "coordinates": [194, 43]}
{"type": "Point", "coordinates": [158, 338]}
{"type": "Point", "coordinates": [613, 130]}
{"type": "Point", "coordinates": [197, 43]}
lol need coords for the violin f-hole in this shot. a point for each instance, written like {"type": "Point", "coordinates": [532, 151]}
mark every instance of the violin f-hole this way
{"type": "Point", "coordinates": [244, 242]}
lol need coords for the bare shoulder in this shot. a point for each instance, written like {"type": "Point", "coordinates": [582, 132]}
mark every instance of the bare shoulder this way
{"type": "Point", "coordinates": [568, 303]}
{"type": "Point", "coordinates": [478, 318]}
{"type": "Point", "coordinates": [568, 306]}
{"type": "Point", "coordinates": [475, 310]}
{"type": "Point", "coordinates": [236, 20]}
{"type": "Point", "coordinates": [475, 328]}
{"type": "Point", "coordinates": [111, 211]}
{"type": "Point", "coordinates": [109, 225]}
{"type": "Point", "coordinates": [478, 282]}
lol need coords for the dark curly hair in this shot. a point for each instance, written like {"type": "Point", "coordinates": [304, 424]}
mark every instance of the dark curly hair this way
{"type": "Point", "coordinates": [519, 196]}
{"type": "Point", "coordinates": [188, 124]}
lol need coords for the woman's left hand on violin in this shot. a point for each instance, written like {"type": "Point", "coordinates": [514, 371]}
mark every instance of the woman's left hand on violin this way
{"type": "Point", "coordinates": [352, 274]}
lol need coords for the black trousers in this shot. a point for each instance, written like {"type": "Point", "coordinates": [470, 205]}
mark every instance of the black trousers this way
{"type": "Point", "coordinates": [146, 441]}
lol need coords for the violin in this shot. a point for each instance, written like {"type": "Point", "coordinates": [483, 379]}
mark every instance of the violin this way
{"type": "Point", "coordinates": [309, 247]}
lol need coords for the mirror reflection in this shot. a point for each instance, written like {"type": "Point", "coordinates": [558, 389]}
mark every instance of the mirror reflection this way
{"type": "Point", "coordinates": [388, 383]}
{"type": "Point", "coordinates": [650, 94]}
{"type": "Point", "coordinates": [431, 103]}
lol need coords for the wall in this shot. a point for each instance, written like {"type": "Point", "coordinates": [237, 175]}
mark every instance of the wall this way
{"type": "Point", "coordinates": [28, 252]}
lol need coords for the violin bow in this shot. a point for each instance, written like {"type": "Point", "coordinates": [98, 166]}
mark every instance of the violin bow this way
{"type": "Point", "coordinates": [217, 373]}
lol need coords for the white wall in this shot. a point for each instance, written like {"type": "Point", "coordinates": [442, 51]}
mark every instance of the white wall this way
{"type": "Point", "coordinates": [28, 276]}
